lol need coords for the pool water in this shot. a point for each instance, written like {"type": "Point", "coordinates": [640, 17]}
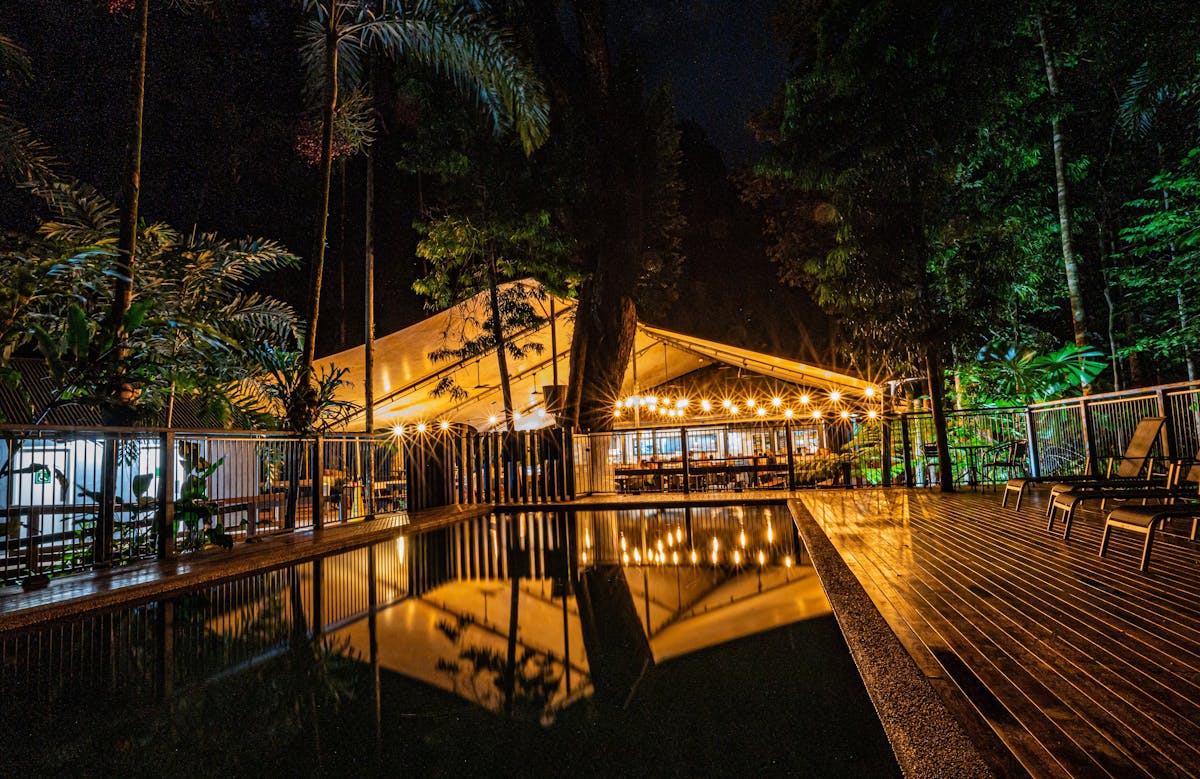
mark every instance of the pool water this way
{"type": "Point", "coordinates": [675, 642]}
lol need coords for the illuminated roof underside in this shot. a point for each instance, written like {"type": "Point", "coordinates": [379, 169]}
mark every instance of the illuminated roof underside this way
{"type": "Point", "coordinates": [405, 377]}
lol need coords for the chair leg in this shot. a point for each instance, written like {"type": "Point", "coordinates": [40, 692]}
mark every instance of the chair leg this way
{"type": "Point", "coordinates": [1146, 549]}
{"type": "Point", "coordinates": [1068, 515]}
{"type": "Point", "coordinates": [1104, 538]}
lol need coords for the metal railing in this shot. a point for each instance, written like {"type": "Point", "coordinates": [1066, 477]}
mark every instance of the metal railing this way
{"type": "Point", "coordinates": [73, 499]}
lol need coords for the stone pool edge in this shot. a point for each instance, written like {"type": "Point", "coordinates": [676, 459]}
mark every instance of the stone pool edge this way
{"type": "Point", "coordinates": [926, 737]}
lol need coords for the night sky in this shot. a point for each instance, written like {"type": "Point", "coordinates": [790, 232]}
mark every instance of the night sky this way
{"type": "Point", "coordinates": [220, 123]}
{"type": "Point", "coordinates": [718, 56]}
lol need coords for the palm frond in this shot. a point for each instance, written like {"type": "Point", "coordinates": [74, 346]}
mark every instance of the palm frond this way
{"type": "Point", "coordinates": [14, 61]}
{"type": "Point", "coordinates": [82, 214]}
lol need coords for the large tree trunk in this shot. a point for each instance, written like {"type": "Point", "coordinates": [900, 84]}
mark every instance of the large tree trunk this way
{"type": "Point", "coordinates": [1070, 263]}
{"type": "Point", "coordinates": [606, 318]}
{"type": "Point", "coordinates": [937, 402]}
{"type": "Point", "coordinates": [318, 262]}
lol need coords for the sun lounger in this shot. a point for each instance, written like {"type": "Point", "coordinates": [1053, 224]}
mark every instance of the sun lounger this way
{"type": "Point", "coordinates": [1173, 490]}
{"type": "Point", "coordinates": [1132, 464]}
{"type": "Point", "coordinates": [1145, 520]}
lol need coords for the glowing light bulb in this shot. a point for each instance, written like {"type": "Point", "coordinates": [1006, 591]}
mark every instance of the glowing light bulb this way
{"type": "Point", "coordinates": [835, 396]}
{"type": "Point", "coordinates": [620, 403]}
{"type": "Point", "coordinates": [682, 403]}
{"type": "Point", "coordinates": [816, 413]}
{"type": "Point", "coordinates": [733, 409]}
{"type": "Point", "coordinates": [617, 412]}
{"type": "Point", "coordinates": [869, 392]}
{"type": "Point", "coordinates": [421, 427]}
{"type": "Point", "coordinates": [705, 405]}
{"type": "Point", "coordinates": [749, 402]}
{"type": "Point", "coordinates": [444, 425]}
{"type": "Point", "coordinates": [662, 411]}
{"type": "Point", "coordinates": [516, 414]}
{"type": "Point", "coordinates": [788, 413]}
{"type": "Point", "coordinates": [398, 430]}
{"type": "Point", "coordinates": [776, 401]}
{"type": "Point", "coordinates": [804, 400]}
{"type": "Point", "coordinates": [845, 414]}
{"type": "Point", "coordinates": [762, 411]}
{"type": "Point", "coordinates": [872, 414]}
{"type": "Point", "coordinates": [727, 403]}
{"type": "Point", "coordinates": [492, 419]}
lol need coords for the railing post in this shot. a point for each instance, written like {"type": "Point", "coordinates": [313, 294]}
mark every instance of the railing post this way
{"type": "Point", "coordinates": [1031, 446]}
{"type": "Point", "coordinates": [1089, 445]}
{"type": "Point", "coordinates": [165, 524]}
{"type": "Point", "coordinates": [1164, 411]}
{"type": "Point", "coordinates": [885, 453]}
{"type": "Point", "coordinates": [791, 455]}
{"type": "Point", "coordinates": [318, 482]}
{"type": "Point", "coordinates": [906, 448]}
{"type": "Point", "coordinates": [102, 543]}
{"type": "Point", "coordinates": [687, 471]}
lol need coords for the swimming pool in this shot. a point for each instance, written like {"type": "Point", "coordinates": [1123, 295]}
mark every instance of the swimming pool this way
{"type": "Point", "coordinates": [677, 641]}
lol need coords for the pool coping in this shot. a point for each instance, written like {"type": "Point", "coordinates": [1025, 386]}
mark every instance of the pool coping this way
{"type": "Point", "coordinates": [928, 740]}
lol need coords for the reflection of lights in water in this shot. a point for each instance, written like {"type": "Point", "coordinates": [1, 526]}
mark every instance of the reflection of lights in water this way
{"type": "Point", "coordinates": [770, 533]}
{"type": "Point", "coordinates": [742, 539]}
{"type": "Point", "coordinates": [637, 556]}
{"type": "Point", "coordinates": [787, 562]}
{"type": "Point", "coordinates": [587, 539]}
{"type": "Point", "coordinates": [737, 557]}
{"type": "Point", "coordinates": [679, 535]}
{"type": "Point", "coordinates": [625, 559]}
{"type": "Point", "coordinates": [716, 544]}
{"type": "Point", "coordinates": [670, 540]}
{"type": "Point", "coordinates": [622, 542]}
{"type": "Point", "coordinates": [660, 546]}
{"type": "Point", "coordinates": [583, 558]}
{"type": "Point", "coordinates": [714, 556]}
{"type": "Point", "coordinates": [675, 558]}
{"type": "Point", "coordinates": [400, 547]}
{"type": "Point", "coordinates": [695, 557]}
{"type": "Point", "coordinates": [761, 558]}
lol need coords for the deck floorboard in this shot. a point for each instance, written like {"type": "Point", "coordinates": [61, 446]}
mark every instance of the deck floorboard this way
{"type": "Point", "coordinates": [1082, 665]}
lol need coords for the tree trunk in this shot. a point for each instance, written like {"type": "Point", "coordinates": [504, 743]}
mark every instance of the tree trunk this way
{"type": "Point", "coordinates": [937, 402]}
{"type": "Point", "coordinates": [127, 240]}
{"type": "Point", "coordinates": [498, 337]}
{"type": "Point", "coordinates": [369, 294]}
{"type": "Point", "coordinates": [318, 266]}
{"type": "Point", "coordinates": [1070, 263]}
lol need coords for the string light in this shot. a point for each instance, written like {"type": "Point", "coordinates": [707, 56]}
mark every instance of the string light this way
{"type": "Point", "coordinates": [776, 401]}
{"type": "Point", "coordinates": [398, 430]}
{"type": "Point", "coordinates": [492, 419]}
{"type": "Point", "coordinates": [872, 414]}
{"type": "Point", "coordinates": [749, 402]}
{"type": "Point", "coordinates": [762, 412]}
{"type": "Point", "coordinates": [804, 400]}
{"type": "Point", "coordinates": [421, 427]}
{"type": "Point", "coordinates": [705, 405]}
{"type": "Point", "coordinates": [444, 425]}
{"type": "Point", "coordinates": [835, 396]}
{"type": "Point", "coordinates": [845, 414]}
{"type": "Point", "coordinates": [869, 392]}
{"type": "Point", "coordinates": [788, 413]}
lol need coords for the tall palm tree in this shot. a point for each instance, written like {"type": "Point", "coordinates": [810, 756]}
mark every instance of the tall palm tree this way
{"type": "Point", "coordinates": [452, 39]}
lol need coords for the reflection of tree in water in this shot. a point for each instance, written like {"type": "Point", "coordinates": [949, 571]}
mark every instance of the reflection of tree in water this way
{"type": "Point", "coordinates": [264, 712]}
{"type": "Point", "coordinates": [482, 674]}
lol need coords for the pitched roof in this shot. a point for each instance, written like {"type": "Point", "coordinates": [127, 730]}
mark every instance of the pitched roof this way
{"type": "Point", "coordinates": [405, 376]}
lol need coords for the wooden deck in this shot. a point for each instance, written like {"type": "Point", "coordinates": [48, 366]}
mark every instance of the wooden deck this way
{"type": "Point", "coordinates": [1082, 666]}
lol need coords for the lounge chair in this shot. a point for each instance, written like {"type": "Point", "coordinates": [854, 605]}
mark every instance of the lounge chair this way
{"type": "Point", "coordinates": [1145, 520]}
{"type": "Point", "coordinates": [1068, 500]}
{"type": "Point", "coordinates": [1132, 463]}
